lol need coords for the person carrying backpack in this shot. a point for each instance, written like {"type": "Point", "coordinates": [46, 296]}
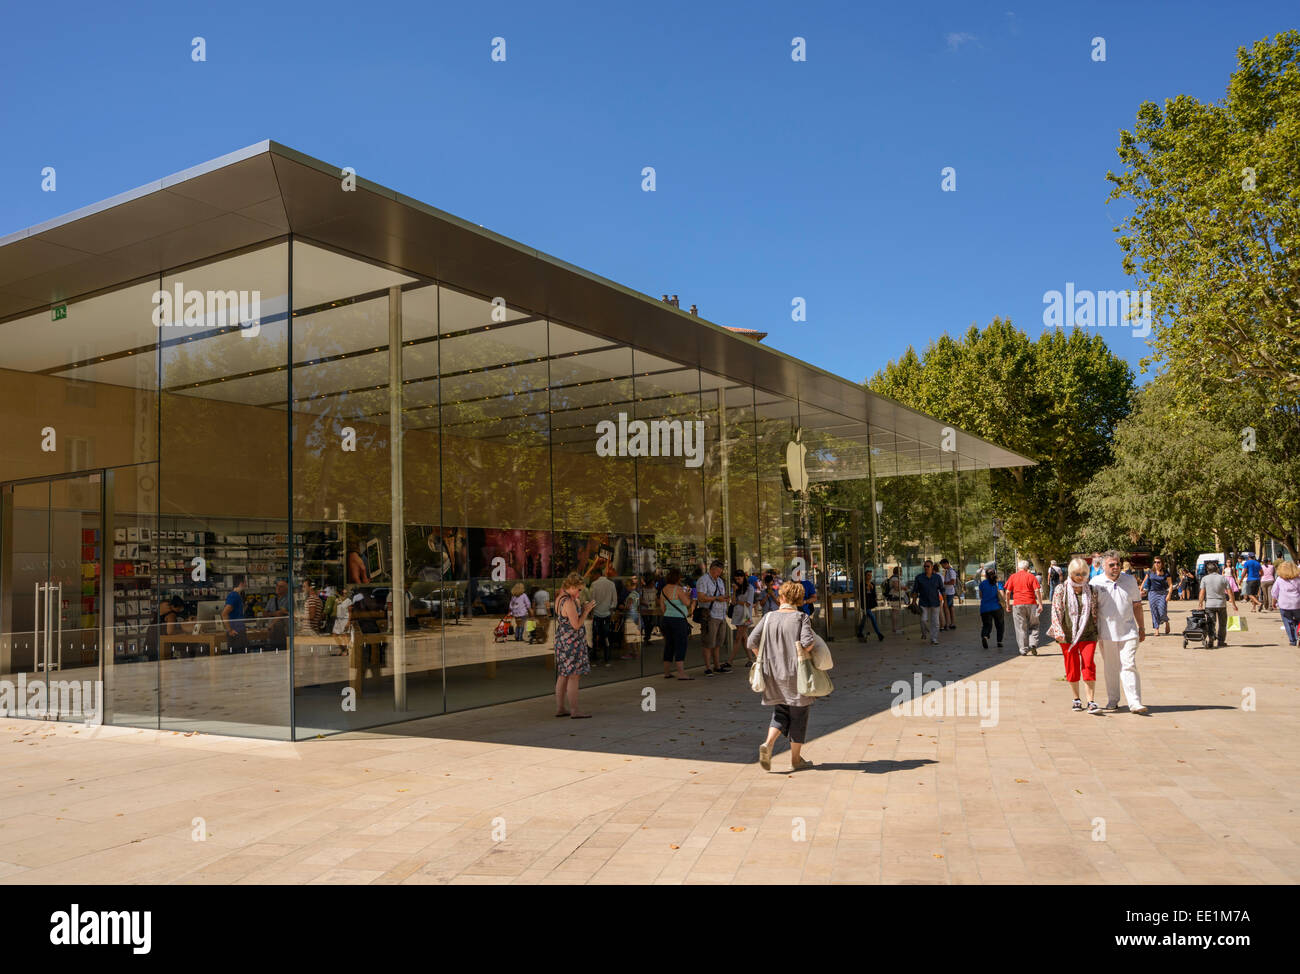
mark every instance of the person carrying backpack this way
{"type": "Point", "coordinates": [1054, 578]}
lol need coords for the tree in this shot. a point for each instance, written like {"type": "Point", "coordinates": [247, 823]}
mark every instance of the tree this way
{"type": "Point", "coordinates": [1214, 233]}
{"type": "Point", "coordinates": [1185, 474]}
{"type": "Point", "coordinates": [1056, 400]}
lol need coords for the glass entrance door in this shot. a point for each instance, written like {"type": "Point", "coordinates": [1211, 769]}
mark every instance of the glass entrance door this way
{"type": "Point", "coordinates": [51, 560]}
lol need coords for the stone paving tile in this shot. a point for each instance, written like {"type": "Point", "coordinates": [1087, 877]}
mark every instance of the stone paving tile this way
{"type": "Point", "coordinates": [1200, 791]}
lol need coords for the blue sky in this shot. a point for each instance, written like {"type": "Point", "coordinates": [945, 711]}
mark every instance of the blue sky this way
{"type": "Point", "coordinates": [775, 179]}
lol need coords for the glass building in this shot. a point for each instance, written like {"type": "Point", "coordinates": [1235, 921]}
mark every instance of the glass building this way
{"type": "Point", "coordinates": [250, 371]}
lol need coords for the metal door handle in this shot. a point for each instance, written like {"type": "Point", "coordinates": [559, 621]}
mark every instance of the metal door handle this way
{"type": "Point", "coordinates": [49, 624]}
{"type": "Point", "coordinates": [36, 629]}
{"type": "Point", "coordinates": [59, 641]}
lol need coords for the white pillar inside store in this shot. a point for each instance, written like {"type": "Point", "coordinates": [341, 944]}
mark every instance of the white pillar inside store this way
{"type": "Point", "coordinates": [397, 638]}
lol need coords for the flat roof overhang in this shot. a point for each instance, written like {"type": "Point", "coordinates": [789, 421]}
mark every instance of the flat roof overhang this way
{"type": "Point", "coordinates": [268, 190]}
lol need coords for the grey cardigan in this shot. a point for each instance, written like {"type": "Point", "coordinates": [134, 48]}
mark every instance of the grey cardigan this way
{"type": "Point", "coordinates": [785, 633]}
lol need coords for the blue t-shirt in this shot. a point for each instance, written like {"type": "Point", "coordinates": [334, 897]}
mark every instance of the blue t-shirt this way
{"type": "Point", "coordinates": [1156, 584]}
{"type": "Point", "coordinates": [1253, 570]}
{"type": "Point", "coordinates": [809, 596]}
{"type": "Point", "coordinates": [928, 588]}
{"type": "Point", "coordinates": [236, 603]}
{"type": "Point", "coordinates": [1093, 571]}
{"type": "Point", "coordinates": [989, 596]}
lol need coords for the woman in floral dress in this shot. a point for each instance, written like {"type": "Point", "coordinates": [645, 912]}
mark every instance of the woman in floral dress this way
{"type": "Point", "coordinates": [572, 660]}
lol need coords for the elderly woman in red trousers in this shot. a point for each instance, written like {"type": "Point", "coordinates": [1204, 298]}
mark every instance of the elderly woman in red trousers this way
{"type": "Point", "coordinates": [1074, 626]}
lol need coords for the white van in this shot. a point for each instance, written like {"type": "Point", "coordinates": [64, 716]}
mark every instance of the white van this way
{"type": "Point", "coordinates": [1208, 556]}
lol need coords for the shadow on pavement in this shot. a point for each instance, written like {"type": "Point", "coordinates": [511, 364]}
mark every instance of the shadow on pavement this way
{"type": "Point", "coordinates": [874, 767]}
{"type": "Point", "coordinates": [1186, 708]}
{"type": "Point", "coordinates": [719, 719]}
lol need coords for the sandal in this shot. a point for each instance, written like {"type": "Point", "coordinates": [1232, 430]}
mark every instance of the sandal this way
{"type": "Point", "coordinates": [564, 714]}
{"type": "Point", "coordinates": [579, 716]}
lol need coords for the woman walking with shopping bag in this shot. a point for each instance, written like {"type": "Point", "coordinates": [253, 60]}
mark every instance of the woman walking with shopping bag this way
{"type": "Point", "coordinates": [784, 674]}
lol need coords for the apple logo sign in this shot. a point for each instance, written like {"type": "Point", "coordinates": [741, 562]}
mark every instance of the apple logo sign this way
{"type": "Point", "coordinates": [796, 473]}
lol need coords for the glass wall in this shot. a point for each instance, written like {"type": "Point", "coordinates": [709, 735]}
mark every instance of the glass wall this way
{"type": "Point", "coordinates": [300, 454]}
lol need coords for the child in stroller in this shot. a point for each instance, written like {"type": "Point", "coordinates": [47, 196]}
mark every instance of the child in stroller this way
{"type": "Point", "coordinates": [1197, 628]}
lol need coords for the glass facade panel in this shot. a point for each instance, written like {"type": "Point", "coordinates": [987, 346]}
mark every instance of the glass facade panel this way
{"type": "Point", "coordinates": [142, 644]}
{"type": "Point", "coordinates": [342, 501]}
{"type": "Point", "coordinates": [739, 455]}
{"type": "Point", "coordinates": [976, 513]}
{"type": "Point", "coordinates": [80, 392]}
{"type": "Point", "coordinates": [595, 484]}
{"type": "Point", "coordinates": [495, 531]}
{"type": "Point", "coordinates": [224, 490]}
{"type": "Point", "coordinates": [779, 511]}
{"type": "Point", "coordinates": [671, 510]}
{"type": "Point", "coordinates": [431, 552]}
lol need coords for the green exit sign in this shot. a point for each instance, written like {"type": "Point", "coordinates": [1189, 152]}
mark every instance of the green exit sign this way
{"type": "Point", "coordinates": [58, 312]}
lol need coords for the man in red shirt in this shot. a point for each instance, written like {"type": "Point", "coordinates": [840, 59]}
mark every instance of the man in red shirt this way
{"type": "Point", "coordinates": [1026, 605]}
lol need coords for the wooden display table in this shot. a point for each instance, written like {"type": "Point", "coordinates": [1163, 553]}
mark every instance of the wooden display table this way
{"type": "Point", "coordinates": [210, 639]}
{"type": "Point", "coordinates": [844, 598]}
{"type": "Point", "coordinates": [215, 640]}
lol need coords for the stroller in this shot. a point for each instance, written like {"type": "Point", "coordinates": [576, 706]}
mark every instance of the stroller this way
{"type": "Point", "coordinates": [1197, 629]}
{"type": "Point", "coordinates": [502, 631]}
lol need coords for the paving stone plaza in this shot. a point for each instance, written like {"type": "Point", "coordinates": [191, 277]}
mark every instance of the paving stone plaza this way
{"type": "Point", "coordinates": [1201, 790]}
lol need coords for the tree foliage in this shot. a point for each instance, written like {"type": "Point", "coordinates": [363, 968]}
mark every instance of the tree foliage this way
{"type": "Point", "coordinates": [1215, 223]}
{"type": "Point", "coordinates": [1193, 477]}
{"type": "Point", "coordinates": [1056, 400]}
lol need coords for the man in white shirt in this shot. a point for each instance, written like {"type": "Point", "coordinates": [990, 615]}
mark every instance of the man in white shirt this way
{"type": "Point", "coordinates": [711, 591]}
{"type": "Point", "coordinates": [605, 594]}
{"type": "Point", "coordinates": [1120, 628]}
